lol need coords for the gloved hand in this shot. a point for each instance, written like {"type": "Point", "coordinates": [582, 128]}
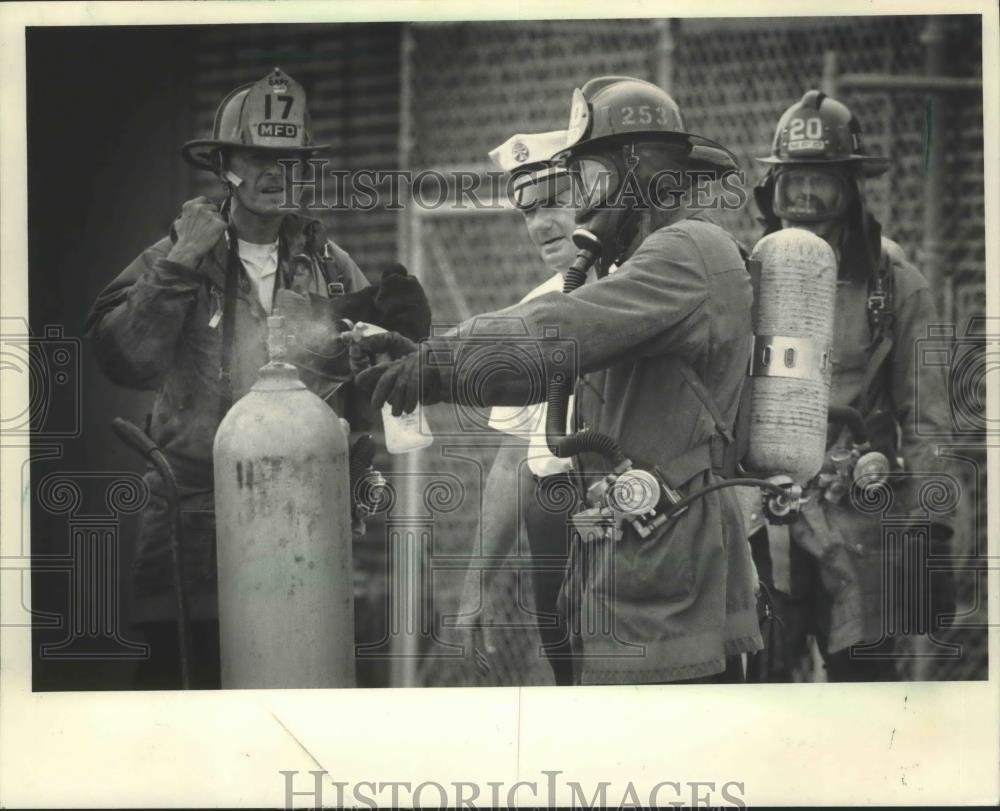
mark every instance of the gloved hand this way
{"type": "Point", "coordinates": [401, 304]}
{"type": "Point", "coordinates": [404, 383]}
{"type": "Point", "coordinates": [365, 351]}
{"type": "Point", "coordinates": [396, 303]}
{"type": "Point", "coordinates": [197, 230]}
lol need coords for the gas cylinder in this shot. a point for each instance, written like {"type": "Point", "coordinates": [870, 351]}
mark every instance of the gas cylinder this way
{"type": "Point", "coordinates": [791, 364]}
{"type": "Point", "coordinates": [283, 518]}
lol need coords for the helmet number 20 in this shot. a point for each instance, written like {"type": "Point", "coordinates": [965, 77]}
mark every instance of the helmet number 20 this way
{"type": "Point", "coordinates": [644, 114]}
{"type": "Point", "coordinates": [805, 128]}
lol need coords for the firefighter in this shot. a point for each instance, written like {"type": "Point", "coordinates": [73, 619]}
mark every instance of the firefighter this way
{"type": "Point", "coordinates": [527, 481]}
{"type": "Point", "coordinates": [187, 319]}
{"type": "Point", "coordinates": [662, 344]}
{"type": "Point", "coordinates": [828, 571]}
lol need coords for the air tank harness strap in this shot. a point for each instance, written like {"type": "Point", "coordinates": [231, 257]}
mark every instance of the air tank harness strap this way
{"type": "Point", "coordinates": [233, 270]}
{"type": "Point", "coordinates": [330, 268]}
{"type": "Point", "coordinates": [881, 323]}
{"type": "Point", "coordinates": [722, 440]}
{"type": "Point", "coordinates": [682, 469]}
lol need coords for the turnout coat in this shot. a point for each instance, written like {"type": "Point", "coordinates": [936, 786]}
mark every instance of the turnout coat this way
{"type": "Point", "coordinates": [671, 606]}
{"type": "Point", "coordinates": [158, 326]}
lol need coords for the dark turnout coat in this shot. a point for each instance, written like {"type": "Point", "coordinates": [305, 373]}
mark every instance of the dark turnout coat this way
{"type": "Point", "coordinates": [671, 606]}
{"type": "Point", "coordinates": [158, 326]}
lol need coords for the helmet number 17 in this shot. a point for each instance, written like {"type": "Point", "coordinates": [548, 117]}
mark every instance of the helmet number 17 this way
{"type": "Point", "coordinates": [286, 100]}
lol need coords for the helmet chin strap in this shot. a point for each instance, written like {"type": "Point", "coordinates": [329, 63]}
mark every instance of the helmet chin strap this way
{"type": "Point", "coordinates": [228, 178]}
{"type": "Point", "coordinates": [617, 226]}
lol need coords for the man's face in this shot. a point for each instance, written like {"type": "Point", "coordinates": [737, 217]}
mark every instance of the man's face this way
{"type": "Point", "coordinates": [811, 197]}
{"type": "Point", "coordinates": [550, 226]}
{"type": "Point", "coordinates": [262, 191]}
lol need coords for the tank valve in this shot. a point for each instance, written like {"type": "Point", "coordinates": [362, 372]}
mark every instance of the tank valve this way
{"type": "Point", "coordinates": [627, 495]}
{"type": "Point", "coordinates": [277, 339]}
{"type": "Point", "coordinates": [784, 507]}
{"type": "Point", "coordinates": [856, 466]}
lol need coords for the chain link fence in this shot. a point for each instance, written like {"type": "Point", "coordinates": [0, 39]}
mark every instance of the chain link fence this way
{"type": "Point", "coordinates": [474, 84]}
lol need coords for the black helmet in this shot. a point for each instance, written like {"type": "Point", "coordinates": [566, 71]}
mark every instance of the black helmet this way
{"type": "Point", "coordinates": [819, 129]}
{"type": "Point", "coordinates": [620, 108]}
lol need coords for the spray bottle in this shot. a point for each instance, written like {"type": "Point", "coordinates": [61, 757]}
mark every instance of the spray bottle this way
{"type": "Point", "coordinates": [407, 432]}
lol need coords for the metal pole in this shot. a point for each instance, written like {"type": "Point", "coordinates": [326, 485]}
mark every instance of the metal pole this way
{"type": "Point", "coordinates": [933, 38]}
{"type": "Point", "coordinates": [829, 83]}
{"type": "Point", "coordinates": [404, 247]}
{"type": "Point", "coordinates": [406, 647]}
{"type": "Point", "coordinates": [663, 72]}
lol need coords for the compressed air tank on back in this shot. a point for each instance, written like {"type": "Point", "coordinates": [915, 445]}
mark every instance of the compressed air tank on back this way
{"type": "Point", "coordinates": [282, 501]}
{"type": "Point", "coordinates": [791, 362]}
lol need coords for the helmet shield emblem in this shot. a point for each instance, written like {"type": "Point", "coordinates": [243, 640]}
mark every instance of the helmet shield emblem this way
{"type": "Point", "coordinates": [274, 113]}
{"type": "Point", "coordinates": [579, 118]}
{"type": "Point", "coordinates": [269, 114]}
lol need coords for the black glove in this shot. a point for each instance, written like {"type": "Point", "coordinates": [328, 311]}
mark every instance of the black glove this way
{"type": "Point", "coordinates": [405, 382]}
{"type": "Point", "coordinates": [315, 346]}
{"type": "Point", "coordinates": [355, 307]}
{"type": "Point", "coordinates": [364, 352]}
{"type": "Point", "coordinates": [401, 304]}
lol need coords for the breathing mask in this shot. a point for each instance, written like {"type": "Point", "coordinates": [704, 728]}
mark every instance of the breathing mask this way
{"type": "Point", "coordinates": [810, 193]}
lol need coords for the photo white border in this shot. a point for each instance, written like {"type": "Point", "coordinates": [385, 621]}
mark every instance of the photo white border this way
{"type": "Point", "coordinates": [907, 744]}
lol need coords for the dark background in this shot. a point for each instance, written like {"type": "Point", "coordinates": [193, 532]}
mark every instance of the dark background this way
{"type": "Point", "coordinates": [105, 179]}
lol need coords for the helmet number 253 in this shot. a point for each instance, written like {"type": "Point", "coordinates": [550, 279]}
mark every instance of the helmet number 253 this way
{"type": "Point", "coordinates": [645, 114]}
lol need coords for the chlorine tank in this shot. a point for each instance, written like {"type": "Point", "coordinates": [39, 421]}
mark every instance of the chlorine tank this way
{"type": "Point", "coordinates": [286, 606]}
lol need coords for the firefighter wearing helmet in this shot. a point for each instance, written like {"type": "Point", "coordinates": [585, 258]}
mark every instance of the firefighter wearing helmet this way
{"type": "Point", "coordinates": [828, 571]}
{"type": "Point", "coordinates": [188, 320]}
{"type": "Point", "coordinates": [526, 480]}
{"type": "Point", "coordinates": [661, 345]}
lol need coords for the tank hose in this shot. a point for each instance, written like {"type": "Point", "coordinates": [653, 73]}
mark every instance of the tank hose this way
{"type": "Point", "coordinates": [139, 442]}
{"type": "Point", "coordinates": [361, 457]}
{"type": "Point", "coordinates": [560, 388]}
{"type": "Point", "coordinates": [852, 419]}
{"type": "Point", "coordinates": [763, 484]}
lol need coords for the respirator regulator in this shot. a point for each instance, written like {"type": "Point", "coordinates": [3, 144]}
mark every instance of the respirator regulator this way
{"type": "Point", "coordinates": [614, 185]}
